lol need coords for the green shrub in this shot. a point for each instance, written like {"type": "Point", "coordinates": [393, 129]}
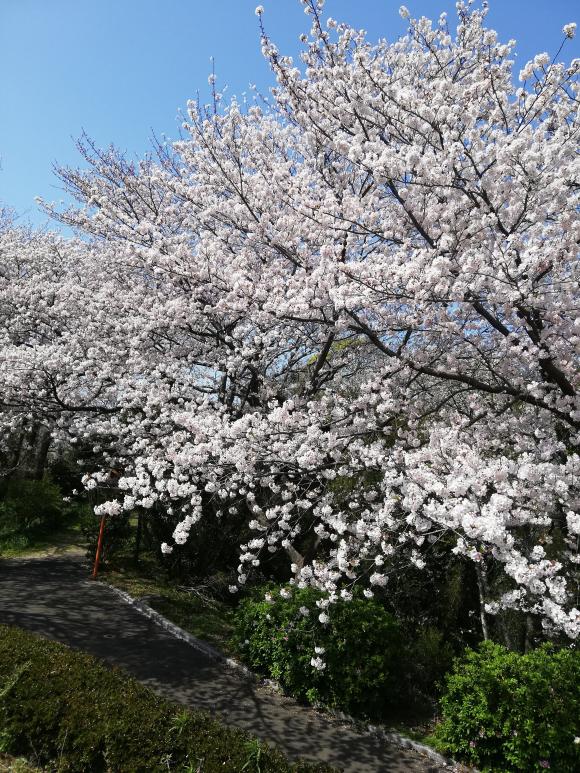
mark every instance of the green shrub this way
{"type": "Point", "coordinates": [428, 658]}
{"type": "Point", "coordinates": [29, 509]}
{"type": "Point", "coordinates": [361, 642]}
{"type": "Point", "coordinates": [71, 713]}
{"type": "Point", "coordinates": [508, 712]}
{"type": "Point", "coordinates": [28, 503]}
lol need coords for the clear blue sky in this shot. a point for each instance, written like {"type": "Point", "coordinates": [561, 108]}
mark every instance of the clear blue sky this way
{"type": "Point", "coordinates": [122, 68]}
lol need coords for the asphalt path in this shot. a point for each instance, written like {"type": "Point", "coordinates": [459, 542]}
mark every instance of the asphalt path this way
{"type": "Point", "coordinates": [54, 597]}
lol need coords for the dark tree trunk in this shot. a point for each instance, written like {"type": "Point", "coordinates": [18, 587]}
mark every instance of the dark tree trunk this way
{"type": "Point", "coordinates": [138, 537]}
{"type": "Point", "coordinates": [482, 588]}
{"type": "Point", "coordinates": [40, 453]}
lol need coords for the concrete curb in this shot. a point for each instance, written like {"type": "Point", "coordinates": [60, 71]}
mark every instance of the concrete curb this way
{"type": "Point", "coordinates": [396, 739]}
{"type": "Point", "coordinates": [206, 649]}
{"type": "Point", "coordinates": [407, 743]}
{"type": "Point", "coordinates": [214, 654]}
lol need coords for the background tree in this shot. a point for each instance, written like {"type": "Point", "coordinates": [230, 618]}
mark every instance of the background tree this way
{"type": "Point", "coordinates": [349, 317]}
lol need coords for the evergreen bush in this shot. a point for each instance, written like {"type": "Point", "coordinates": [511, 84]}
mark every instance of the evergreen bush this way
{"type": "Point", "coordinates": [70, 713]}
{"type": "Point", "coordinates": [503, 711]}
{"type": "Point", "coordinates": [362, 650]}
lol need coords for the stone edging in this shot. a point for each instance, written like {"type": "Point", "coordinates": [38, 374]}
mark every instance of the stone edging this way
{"type": "Point", "coordinates": [214, 654]}
{"type": "Point", "coordinates": [206, 649]}
{"type": "Point", "coordinates": [396, 739]}
{"type": "Point", "coordinates": [408, 743]}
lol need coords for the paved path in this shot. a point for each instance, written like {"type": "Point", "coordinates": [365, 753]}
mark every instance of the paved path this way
{"type": "Point", "coordinates": [53, 597]}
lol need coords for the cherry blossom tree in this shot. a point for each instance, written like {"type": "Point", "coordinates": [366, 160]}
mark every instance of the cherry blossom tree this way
{"type": "Point", "coordinates": [348, 312]}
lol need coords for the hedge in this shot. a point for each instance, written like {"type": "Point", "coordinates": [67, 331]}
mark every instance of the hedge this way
{"type": "Point", "coordinates": [69, 712]}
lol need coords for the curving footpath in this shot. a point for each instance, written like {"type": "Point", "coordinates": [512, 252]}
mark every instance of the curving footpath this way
{"type": "Point", "coordinates": [53, 597]}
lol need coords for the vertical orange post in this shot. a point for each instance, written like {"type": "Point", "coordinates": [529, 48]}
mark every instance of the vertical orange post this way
{"type": "Point", "coordinates": [99, 547]}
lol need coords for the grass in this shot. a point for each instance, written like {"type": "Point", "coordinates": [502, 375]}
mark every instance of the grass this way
{"type": "Point", "coordinates": [196, 612]}
{"type": "Point", "coordinates": [9, 764]}
{"type": "Point", "coordinates": [64, 538]}
{"type": "Point", "coordinates": [419, 733]}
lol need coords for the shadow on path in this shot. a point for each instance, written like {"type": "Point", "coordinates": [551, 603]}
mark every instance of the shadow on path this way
{"type": "Point", "coordinates": [55, 598]}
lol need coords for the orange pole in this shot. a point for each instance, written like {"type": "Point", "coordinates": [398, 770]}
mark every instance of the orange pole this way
{"type": "Point", "coordinates": [99, 547]}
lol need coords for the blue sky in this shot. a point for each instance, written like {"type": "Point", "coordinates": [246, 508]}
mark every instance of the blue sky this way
{"type": "Point", "coordinates": [121, 69]}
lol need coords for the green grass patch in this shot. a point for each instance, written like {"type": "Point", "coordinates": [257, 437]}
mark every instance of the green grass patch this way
{"type": "Point", "coordinates": [68, 711]}
{"type": "Point", "coordinates": [419, 733]}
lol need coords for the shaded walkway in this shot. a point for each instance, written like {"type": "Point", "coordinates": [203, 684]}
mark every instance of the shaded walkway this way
{"type": "Point", "coordinates": [53, 597]}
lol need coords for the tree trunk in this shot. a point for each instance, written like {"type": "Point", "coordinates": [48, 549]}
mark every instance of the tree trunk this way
{"type": "Point", "coordinates": [40, 453]}
{"type": "Point", "coordinates": [482, 588]}
{"type": "Point", "coordinates": [530, 632]}
{"type": "Point", "coordinates": [138, 535]}
{"type": "Point", "coordinates": [17, 456]}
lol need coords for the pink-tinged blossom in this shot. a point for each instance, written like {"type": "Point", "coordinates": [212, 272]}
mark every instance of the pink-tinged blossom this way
{"type": "Point", "coordinates": [374, 279]}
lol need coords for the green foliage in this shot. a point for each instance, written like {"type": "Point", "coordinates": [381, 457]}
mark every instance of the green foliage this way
{"type": "Point", "coordinates": [74, 714]}
{"type": "Point", "coordinates": [117, 535]}
{"type": "Point", "coordinates": [254, 751]}
{"type": "Point", "coordinates": [31, 501]}
{"type": "Point", "coordinates": [428, 657]}
{"type": "Point", "coordinates": [9, 764]}
{"type": "Point", "coordinates": [508, 712]}
{"type": "Point", "coordinates": [362, 650]}
{"type": "Point", "coordinates": [28, 508]}
{"type": "Point", "coordinates": [442, 595]}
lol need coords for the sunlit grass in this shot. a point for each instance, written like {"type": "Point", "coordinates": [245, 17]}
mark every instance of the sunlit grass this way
{"type": "Point", "coordinates": [65, 538]}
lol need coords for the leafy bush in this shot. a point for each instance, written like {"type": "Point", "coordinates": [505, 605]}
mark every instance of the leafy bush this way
{"type": "Point", "coordinates": [31, 502]}
{"type": "Point", "coordinates": [72, 713]}
{"type": "Point", "coordinates": [428, 658]}
{"type": "Point", "coordinates": [508, 712]}
{"type": "Point", "coordinates": [361, 643]}
{"type": "Point", "coordinates": [28, 508]}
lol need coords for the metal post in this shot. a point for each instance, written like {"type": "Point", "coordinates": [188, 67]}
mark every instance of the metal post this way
{"type": "Point", "coordinates": [99, 547]}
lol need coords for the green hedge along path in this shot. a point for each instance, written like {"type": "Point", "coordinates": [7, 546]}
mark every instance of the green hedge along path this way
{"type": "Point", "coordinates": [91, 718]}
{"type": "Point", "coordinates": [54, 598]}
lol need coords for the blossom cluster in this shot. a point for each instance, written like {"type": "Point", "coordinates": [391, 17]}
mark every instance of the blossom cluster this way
{"type": "Point", "coordinates": [374, 279]}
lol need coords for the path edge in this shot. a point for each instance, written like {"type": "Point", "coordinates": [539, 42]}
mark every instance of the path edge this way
{"type": "Point", "coordinates": [214, 654]}
{"type": "Point", "coordinates": [201, 646]}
